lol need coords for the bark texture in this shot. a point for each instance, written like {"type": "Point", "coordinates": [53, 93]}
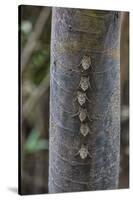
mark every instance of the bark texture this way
{"type": "Point", "coordinates": [75, 33]}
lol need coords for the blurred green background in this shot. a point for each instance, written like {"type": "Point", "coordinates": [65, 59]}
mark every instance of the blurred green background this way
{"type": "Point", "coordinates": [35, 30]}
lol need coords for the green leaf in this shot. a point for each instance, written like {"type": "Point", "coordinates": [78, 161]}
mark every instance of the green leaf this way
{"type": "Point", "coordinates": [34, 144]}
{"type": "Point", "coordinates": [42, 145]}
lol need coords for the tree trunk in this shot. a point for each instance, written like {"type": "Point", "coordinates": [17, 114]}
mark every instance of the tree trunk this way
{"type": "Point", "coordinates": [96, 34]}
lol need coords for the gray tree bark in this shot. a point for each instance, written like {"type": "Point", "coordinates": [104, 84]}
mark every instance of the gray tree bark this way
{"type": "Point", "coordinates": [76, 33]}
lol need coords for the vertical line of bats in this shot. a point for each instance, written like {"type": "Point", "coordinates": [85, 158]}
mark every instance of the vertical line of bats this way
{"type": "Point", "coordinates": [82, 99]}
